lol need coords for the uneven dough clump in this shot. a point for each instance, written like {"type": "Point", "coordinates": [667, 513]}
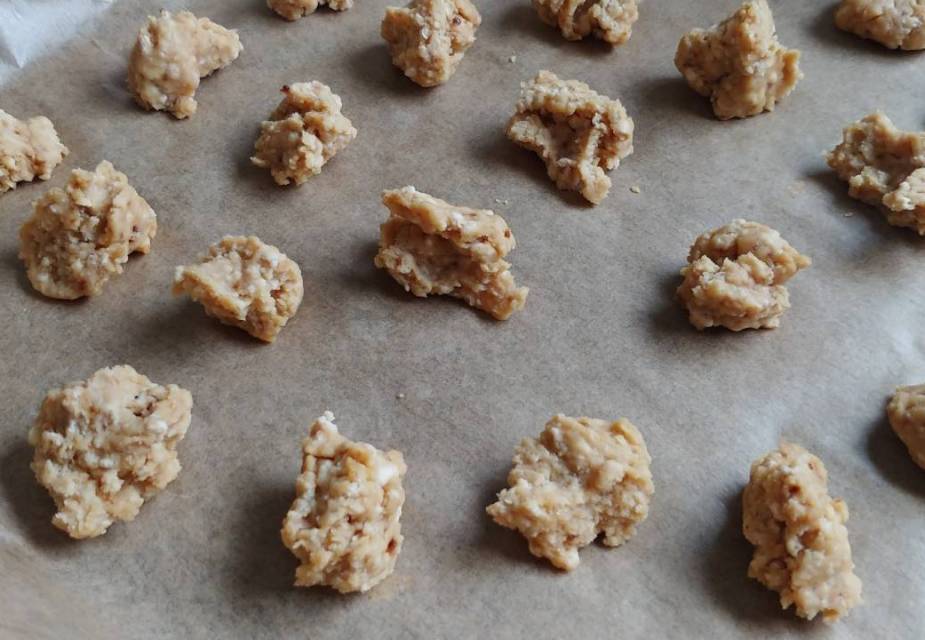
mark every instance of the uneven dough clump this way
{"type": "Point", "coordinates": [884, 167]}
{"type": "Point", "coordinates": [897, 24]}
{"type": "Point", "coordinates": [344, 524]}
{"type": "Point", "coordinates": [245, 283]}
{"type": "Point", "coordinates": [105, 445]}
{"type": "Point", "coordinates": [609, 20]}
{"type": "Point", "coordinates": [428, 38]}
{"type": "Point", "coordinates": [29, 149]}
{"type": "Point", "coordinates": [801, 543]}
{"type": "Point", "coordinates": [906, 412]}
{"type": "Point", "coordinates": [295, 9]}
{"type": "Point", "coordinates": [579, 133]}
{"type": "Point", "coordinates": [739, 63]}
{"type": "Point", "coordinates": [80, 236]}
{"type": "Point", "coordinates": [735, 277]}
{"type": "Point", "coordinates": [434, 248]}
{"type": "Point", "coordinates": [581, 478]}
{"type": "Point", "coordinates": [170, 57]}
{"type": "Point", "coordinates": [305, 131]}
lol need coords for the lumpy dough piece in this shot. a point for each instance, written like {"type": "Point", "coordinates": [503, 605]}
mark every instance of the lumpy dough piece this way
{"type": "Point", "coordinates": [735, 277]}
{"type": "Point", "coordinates": [582, 477]}
{"type": "Point", "coordinates": [344, 524]}
{"type": "Point", "coordinates": [897, 24]}
{"type": "Point", "coordinates": [428, 38]}
{"type": "Point", "coordinates": [295, 9]}
{"type": "Point", "coordinates": [80, 236]}
{"type": "Point", "coordinates": [29, 149]}
{"type": "Point", "coordinates": [609, 20]}
{"type": "Point", "coordinates": [245, 283]}
{"type": "Point", "coordinates": [170, 57]}
{"type": "Point", "coordinates": [305, 131]}
{"type": "Point", "coordinates": [579, 133]}
{"type": "Point", "coordinates": [883, 167]}
{"type": "Point", "coordinates": [432, 247]}
{"type": "Point", "coordinates": [739, 63]}
{"type": "Point", "coordinates": [906, 412]}
{"type": "Point", "coordinates": [801, 543]}
{"type": "Point", "coordinates": [105, 445]}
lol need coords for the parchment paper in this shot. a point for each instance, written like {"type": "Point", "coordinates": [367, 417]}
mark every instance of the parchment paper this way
{"type": "Point", "coordinates": [601, 335]}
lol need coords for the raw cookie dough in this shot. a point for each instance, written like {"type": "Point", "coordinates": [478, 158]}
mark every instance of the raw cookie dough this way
{"type": "Point", "coordinates": [432, 247]}
{"type": "Point", "coordinates": [897, 24]}
{"type": "Point", "coordinates": [344, 524]}
{"type": "Point", "coordinates": [29, 149]}
{"type": "Point", "coordinates": [295, 9]}
{"type": "Point", "coordinates": [80, 236]}
{"type": "Point", "coordinates": [170, 57]}
{"type": "Point", "coordinates": [738, 63]}
{"type": "Point", "coordinates": [884, 167]}
{"type": "Point", "coordinates": [609, 20]}
{"type": "Point", "coordinates": [305, 131]}
{"type": "Point", "coordinates": [581, 478]}
{"type": "Point", "coordinates": [579, 133]}
{"type": "Point", "coordinates": [801, 543]}
{"type": "Point", "coordinates": [245, 283]}
{"type": "Point", "coordinates": [428, 38]}
{"type": "Point", "coordinates": [906, 412]}
{"type": "Point", "coordinates": [735, 277]}
{"type": "Point", "coordinates": [105, 445]}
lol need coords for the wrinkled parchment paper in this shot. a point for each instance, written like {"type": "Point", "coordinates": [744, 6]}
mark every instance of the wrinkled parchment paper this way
{"type": "Point", "coordinates": [601, 335]}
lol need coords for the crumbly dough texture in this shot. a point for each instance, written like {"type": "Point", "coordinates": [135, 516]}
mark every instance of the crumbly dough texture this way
{"type": "Point", "coordinates": [735, 276]}
{"type": "Point", "coordinates": [295, 9]}
{"type": "Point", "coordinates": [172, 54]}
{"type": "Point", "coordinates": [105, 445]}
{"type": "Point", "coordinates": [579, 133]}
{"type": "Point", "coordinates": [885, 167]}
{"type": "Point", "coordinates": [897, 24]}
{"type": "Point", "coordinates": [434, 248]}
{"type": "Point", "coordinates": [609, 20]}
{"type": "Point", "coordinates": [344, 524]}
{"type": "Point", "coordinates": [428, 38]}
{"type": "Point", "coordinates": [801, 543]}
{"type": "Point", "coordinates": [739, 63]}
{"type": "Point", "coordinates": [582, 477]}
{"type": "Point", "coordinates": [29, 149]}
{"type": "Point", "coordinates": [906, 412]}
{"type": "Point", "coordinates": [80, 236]}
{"type": "Point", "coordinates": [305, 131]}
{"type": "Point", "coordinates": [245, 283]}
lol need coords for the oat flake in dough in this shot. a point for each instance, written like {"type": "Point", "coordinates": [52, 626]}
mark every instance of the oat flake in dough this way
{"type": "Point", "coordinates": [897, 24]}
{"type": "Point", "coordinates": [906, 412]}
{"type": "Point", "coordinates": [295, 9]}
{"type": "Point", "coordinates": [609, 20]}
{"type": "Point", "coordinates": [29, 149]}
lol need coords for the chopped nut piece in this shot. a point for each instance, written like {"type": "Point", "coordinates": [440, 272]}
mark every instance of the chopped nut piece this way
{"type": "Point", "coordinates": [578, 132]}
{"type": "Point", "coordinates": [739, 63]}
{"type": "Point", "coordinates": [581, 478]}
{"type": "Point", "coordinates": [295, 9]}
{"type": "Point", "coordinates": [897, 24]}
{"type": "Point", "coordinates": [802, 548]}
{"type": "Point", "coordinates": [105, 445]}
{"type": "Point", "coordinates": [735, 277]}
{"type": "Point", "coordinates": [609, 20]}
{"type": "Point", "coordinates": [170, 57]}
{"type": "Point", "coordinates": [428, 38]}
{"type": "Point", "coordinates": [906, 412]}
{"type": "Point", "coordinates": [344, 525]}
{"type": "Point", "coordinates": [432, 247]}
{"type": "Point", "coordinates": [29, 149]}
{"type": "Point", "coordinates": [80, 236]}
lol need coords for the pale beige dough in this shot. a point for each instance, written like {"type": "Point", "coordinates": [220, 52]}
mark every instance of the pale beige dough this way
{"type": "Point", "coordinates": [171, 55]}
{"type": "Point", "coordinates": [428, 38]}
{"type": "Point", "coordinates": [883, 166]}
{"type": "Point", "coordinates": [105, 445]}
{"type": "Point", "coordinates": [739, 63]}
{"type": "Point", "coordinates": [305, 131]}
{"type": "Point", "coordinates": [80, 236]}
{"type": "Point", "coordinates": [906, 412]}
{"type": "Point", "coordinates": [295, 9]}
{"type": "Point", "coordinates": [801, 543]}
{"type": "Point", "coordinates": [29, 149]}
{"type": "Point", "coordinates": [609, 20]}
{"type": "Point", "coordinates": [344, 524]}
{"type": "Point", "coordinates": [579, 133]}
{"type": "Point", "coordinates": [434, 248]}
{"type": "Point", "coordinates": [735, 276]}
{"type": "Point", "coordinates": [581, 478]}
{"type": "Point", "coordinates": [245, 283]}
{"type": "Point", "coordinates": [897, 24]}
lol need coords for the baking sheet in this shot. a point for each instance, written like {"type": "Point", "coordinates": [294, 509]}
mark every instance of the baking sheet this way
{"type": "Point", "coordinates": [600, 336]}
